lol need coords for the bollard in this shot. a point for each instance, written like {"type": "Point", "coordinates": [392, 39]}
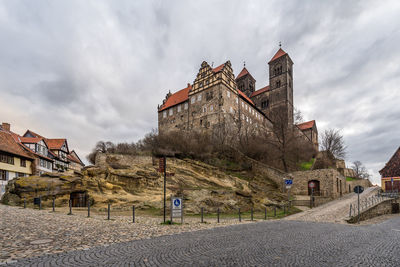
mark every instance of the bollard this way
{"type": "Point", "coordinates": [218, 215]}
{"type": "Point", "coordinates": [275, 211]}
{"type": "Point", "coordinates": [133, 214]}
{"type": "Point", "coordinates": [24, 202]}
{"type": "Point", "coordinates": [251, 213]}
{"type": "Point", "coordinates": [350, 210]}
{"type": "Point", "coordinates": [202, 210]}
{"type": "Point", "coordinates": [70, 207]}
{"type": "Point", "coordinates": [108, 211]}
{"type": "Point", "coordinates": [40, 202]}
{"type": "Point", "coordinates": [265, 213]}
{"type": "Point", "coordinates": [240, 217]}
{"type": "Point", "coordinates": [54, 204]}
{"type": "Point", "coordinates": [88, 208]}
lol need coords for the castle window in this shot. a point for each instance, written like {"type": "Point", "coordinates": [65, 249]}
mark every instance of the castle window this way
{"type": "Point", "coordinates": [201, 122]}
{"type": "Point", "coordinates": [171, 111]}
{"type": "Point", "coordinates": [246, 107]}
{"type": "Point", "coordinates": [201, 84]}
{"type": "Point", "coordinates": [193, 99]}
{"type": "Point", "coordinates": [204, 109]}
{"type": "Point", "coordinates": [186, 106]}
{"type": "Point", "coordinates": [237, 100]}
{"type": "Point", "coordinates": [199, 97]}
{"type": "Point", "coordinates": [264, 104]}
{"type": "Point", "coordinates": [211, 108]}
{"type": "Point", "coordinates": [228, 94]}
{"type": "Point", "coordinates": [242, 104]}
{"type": "Point", "coordinates": [179, 108]}
{"type": "Point", "coordinates": [207, 82]}
{"type": "Point", "coordinates": [278, 84]}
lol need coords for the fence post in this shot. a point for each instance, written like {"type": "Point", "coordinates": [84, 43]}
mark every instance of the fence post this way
{"type": "Point", "coordinates": [133, 214]}
{"type": "Point", "coordinates": [251, 212]}
{"type": "Point", "coordinates": [275, 211]}
{"type": "Point", "coordinates": [40, 202]}
{"type": "Point", "coordinates": [70, 207]}
{"type": "Point", "coordinates": [218, 215]}
{"type": "Point", "coordinates": [24, 202]}
{"type": "Point", "coordinates": [265, 213]}
{"type": "Point", "coordinates": [350, 209]}
{"type": "Point", "coordinates": [240, 218]}
{"type": "Point", "coordinates": [202, 215]}
{"type": "Point", "coordinates": [108, 211]}
{"type": "Point", "coordinates": [54, 204]}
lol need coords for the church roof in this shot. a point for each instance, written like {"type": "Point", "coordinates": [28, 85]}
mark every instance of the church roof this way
{"type": "Point", "coordinates": [245, 97]}
{"type": "Point", "coordinates": [243, 73]}
{"type": "Point", "coordinates": [306, 125]}
{"type": "Point", "coordinates": [260, 91]}
{"type": "Point", "coordinates": [278, 54]}
{"type": "Point", "coordinates": [177, 98]}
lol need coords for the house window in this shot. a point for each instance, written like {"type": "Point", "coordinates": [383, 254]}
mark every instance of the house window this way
{"type": "Point", "coordinates": [20, 174]}
{"type": "Point", "coordinates": [48, 165]}
{"type": "Point", "coordinates": [3, 175]}
{"type": "Point", "coordinates": [171, 111]}
{"type": "Point", "coordinates": [164, 114]}
{"type": "Point", "coordinates": [179, 108]}
{"type": "Point", "coordinates": [193, 99]}
{"type": "Point", "coordinates": [7, 159]}
{"type": "Point", "coordinates": [186, 106]}
{"type": "Point", "coordinates": [23, 163]}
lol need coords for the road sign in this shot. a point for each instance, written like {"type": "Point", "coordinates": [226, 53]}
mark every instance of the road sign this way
{"type": "Point", "coordinates": [288, 182]}
{"type": "Point", "coordinates": [358, 189]}
{"type": "Point", "coordinates": [311, 185]}
{"type": "Point", "coordinates": [176, 205]}
{"type": "Point", "coordinates": [161, 164]}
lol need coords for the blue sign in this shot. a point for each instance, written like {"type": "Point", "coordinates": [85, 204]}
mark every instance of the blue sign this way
{"type": "Point", "coordinates": [177, 202]}
{"type": "Point", "coordinates": [288, 181]}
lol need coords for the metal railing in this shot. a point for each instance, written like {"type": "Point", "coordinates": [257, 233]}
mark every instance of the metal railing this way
{"type": "Point", "coordinates": [368, 202]}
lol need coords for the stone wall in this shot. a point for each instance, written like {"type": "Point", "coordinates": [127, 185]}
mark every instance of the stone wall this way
{"type": "Point", "coordinates": [332, 183]}
{"type": "Point", "coordinates": [363, 182]}
{"type": "Point", "coordinates": [116, 160]}
{"type": "Point", "coordinates": [385, 207]}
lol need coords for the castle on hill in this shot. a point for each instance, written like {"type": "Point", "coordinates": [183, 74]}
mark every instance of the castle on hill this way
{"type": "Point", "coordinates": [218, 97]}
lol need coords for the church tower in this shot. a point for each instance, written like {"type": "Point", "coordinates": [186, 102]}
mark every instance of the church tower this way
{"type": "Point", "coordinates": [245, 82]}
{"type": "Point", "coordinates": [281, 84]}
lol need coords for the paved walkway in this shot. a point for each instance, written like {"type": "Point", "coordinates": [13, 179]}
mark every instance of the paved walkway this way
{"type": "Point", "coordinates": [334, 211]}
{"type": "Point", "coordinates": [273, 243]}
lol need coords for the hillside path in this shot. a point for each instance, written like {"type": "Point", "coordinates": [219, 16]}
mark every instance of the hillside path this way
{"type": "Point", "coordinates": [334, 211]}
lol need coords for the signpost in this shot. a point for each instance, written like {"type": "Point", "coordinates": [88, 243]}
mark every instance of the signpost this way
{"type": "Point", "coordinates": [358, 190]}
{"type": "Point", "coordinates": [176, 208]}
{"type": "Point", "coordinates": [162, 167]}
{"type": "Point", "coordinates": [288, 183]}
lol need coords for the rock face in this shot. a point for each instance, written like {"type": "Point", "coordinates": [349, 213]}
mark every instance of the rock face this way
{"type": "Point", "coordinates": [128, 180]}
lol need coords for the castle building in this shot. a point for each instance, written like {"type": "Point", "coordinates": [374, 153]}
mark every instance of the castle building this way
{"type": "Point", "coordinates": [217, 98]}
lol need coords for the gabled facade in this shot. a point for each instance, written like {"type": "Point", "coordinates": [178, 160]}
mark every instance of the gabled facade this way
{"type": "Point", "coordinates": [310, 130]}
{"type": "Point", "coordinates": [390, 174]}
{"type": "Point", "coordinates": [75, 163]}
{"type": "Point", "coordinates": [39, 148]}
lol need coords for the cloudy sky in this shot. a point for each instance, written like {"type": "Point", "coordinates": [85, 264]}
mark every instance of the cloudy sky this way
{"type": "Point", "coordinates": [96, 70]}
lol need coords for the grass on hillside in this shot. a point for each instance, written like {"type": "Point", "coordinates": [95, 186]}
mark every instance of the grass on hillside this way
{"type": "Point", "coordinates": [306, 166]}
{"type": "Point", "coordinates": [350, 179]}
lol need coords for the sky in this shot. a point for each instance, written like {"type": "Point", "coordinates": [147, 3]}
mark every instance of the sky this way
{"type": "Point", "coordinates": [96, 70]}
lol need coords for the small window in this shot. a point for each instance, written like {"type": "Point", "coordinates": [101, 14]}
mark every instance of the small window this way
{"type": "Point", "coordinates": [231, 109]}
{"type": "Point", "coordinates": [237, 100]}
{"type": "Point", "coordinates": [229, 94]}
{"type": "Point", "coordinates": [179, 108]}
{"type": "Point", "coordinates": [193, 99]}
{"type": "Point", "coordinates": [23, 163]}
{"type": "Point", "coordinates": [204, 109]}
{"type": "Point", "coordinates": [199, 97]}
{"type": "Point", "coordinates": [278, 84]}
{"type": "Point", "coordinates": [211, 108]}
{"type": "Point", "coordinates": [164, 114]}
{"type": "Point", "coordinates": [3, 175]}
{"type": "Point", "coordinates": [201, 84]}
{"type": "Point", "coordinates": [171, 111]}
{"type": "Point", "coordinates": [186, 106]}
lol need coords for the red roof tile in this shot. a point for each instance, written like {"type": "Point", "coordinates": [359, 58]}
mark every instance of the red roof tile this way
{"type": "Point", "coordinates": [278, 54]}
{"type": "Point", "coordinates": [245, 97]}
{"type": "Point", "coordinates": [219, 68]}
{"type": "Point", "coordinates": [30, 140]}
{"type": "Point", "coordinates": [260, 91]}
{"type": "Point", "coordinates": [177, 98]}
{"type": "Point", "coordinates": [306, 125]}
{"type": "Point", "coordinates": [8, 144]}
{"type": "Point", "coordinates": [242, 73]}
{"type": "Point", "coordinates": [55, 143]}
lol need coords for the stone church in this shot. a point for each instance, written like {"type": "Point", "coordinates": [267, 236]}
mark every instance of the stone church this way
{"type": "Point", "coordinates": [218, 97]}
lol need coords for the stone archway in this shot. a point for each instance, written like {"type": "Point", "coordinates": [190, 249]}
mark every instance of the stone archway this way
{"type": "Point", "coordinates": [316, 187]}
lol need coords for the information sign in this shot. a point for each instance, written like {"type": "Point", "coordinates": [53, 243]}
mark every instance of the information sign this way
{"type": "Point", "coordinates": [176, 211]}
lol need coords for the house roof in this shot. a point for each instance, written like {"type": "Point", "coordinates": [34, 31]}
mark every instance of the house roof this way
{"type": "Point", "coordinates": [278, 55]}
{"type": "Point", "coordinates": [219, 68]}
{"type": "Point", "coordinates": [37, 154]}
{"type": "Point", "coordinates": [9, 144]}
{"type": "Point", "coordinates": [392, 167]}
{"type": "Point", "coordinates": [56, 143]}
{"type": "Point", "coordinates": [177, 98]}
{"type": "Point", "coordinates": [72, 157]}
{"type": "Point", "coordinates": [260, 91]}
{"type": "Point", "coordinates": [245, 97]}
{"type": "Point", "coordinates": [30, 140]}
{"type": "Point", "coordinates": [306, 125]}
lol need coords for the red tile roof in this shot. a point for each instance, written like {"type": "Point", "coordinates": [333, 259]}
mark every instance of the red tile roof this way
{"type": "Point", "coordinates": [55, 143]}
{"type": "Point", "coordinates": [392, 167]}
{"type": "Point", "coordinates": [30, 140]}
{"type": "Point", "coordinates": [242, 73]}
{"type": "Point", "coordinates": [306, 125]}
{"type": "Point", "coordinates": [8, 144]}
{"type": "Point", "coordinates": [219, 68]}
{"type": "Point", "coordinates": [245, 97]}
{"type": "Point", "coordinates": [260, 91]}
{"type": "Point", "coordinates": [278, 54]}
{"type": "Point", "coordinates": [177, 98]}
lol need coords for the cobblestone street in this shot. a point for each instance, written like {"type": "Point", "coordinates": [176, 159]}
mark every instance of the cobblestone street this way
{"type": "Point", "coordinates": [272, 243]}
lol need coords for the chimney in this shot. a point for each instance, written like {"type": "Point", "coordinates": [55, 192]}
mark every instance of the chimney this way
{"type": "Point", "coordinates": [6, 126]}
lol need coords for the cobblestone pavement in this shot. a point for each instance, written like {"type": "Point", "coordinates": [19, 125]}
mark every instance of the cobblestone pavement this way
{"type": "Point", "coordinates": [334, 211]}
{"type": "Point", "coordinates": [32, 232]}
{"type": "Point", "coordinates": [272, 243]}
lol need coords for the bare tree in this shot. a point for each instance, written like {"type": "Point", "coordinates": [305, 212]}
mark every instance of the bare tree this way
{"type": "Point", "coordinates": [360, 170]}
{"type": "Point", "coordinates": [298, 116]}
{"type": "Point", "coordinates": [332, 141]}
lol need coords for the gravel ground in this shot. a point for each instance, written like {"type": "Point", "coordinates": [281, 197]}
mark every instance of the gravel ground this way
{"type": "Point", "coordinates": [31, 232]}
